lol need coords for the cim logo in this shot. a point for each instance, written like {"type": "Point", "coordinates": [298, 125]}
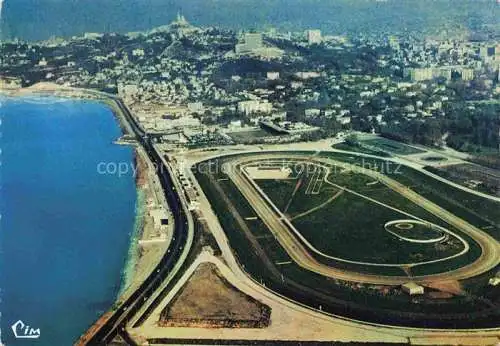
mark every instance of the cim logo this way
{"type": "Point", "coordinates": [23, 331]}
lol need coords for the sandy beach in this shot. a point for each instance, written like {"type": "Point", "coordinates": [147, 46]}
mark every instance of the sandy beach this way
{"type": "Point", "coordinates": [48, 88]}
{"type": "Point", "coordinates": [146, 248]}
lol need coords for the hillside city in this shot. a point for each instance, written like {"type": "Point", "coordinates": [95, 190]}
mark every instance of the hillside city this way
{"type": "Point", "coordinates": [197, 86]}
{"type": "Point", "coordinates": [261, 186]}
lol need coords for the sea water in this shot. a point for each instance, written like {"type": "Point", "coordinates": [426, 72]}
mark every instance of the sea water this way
{"type": "Point", "coordinates": [65, 225]}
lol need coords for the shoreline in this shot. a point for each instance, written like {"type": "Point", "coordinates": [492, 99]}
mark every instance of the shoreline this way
{"type": "Point", "coordinates": [49, 89]}
{"type": "Point", "coordinates": [134, 230]}
{"type": "Point", "coordinates": [140, 261]}
{"type": "Point", "coordinates": [146, 248]}
{"type": "Point", "coordinates": [129, 272]}
{"type": "Point", "coordinates": [133, 255]}
{"type": "Point", "coordinates": [131, 269]}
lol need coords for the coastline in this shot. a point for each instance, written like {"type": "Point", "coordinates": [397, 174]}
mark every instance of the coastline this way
{"type": "Point", "coordinates": [147, 247]}
{"type": "Point", "coordinates": [133, 254]}
{"type": "Point", "coordinates": [131, 269]}
{"type": "Point", "coordinates": [123, 226]}
{"type": "Point", "coordinates": [55, 90]}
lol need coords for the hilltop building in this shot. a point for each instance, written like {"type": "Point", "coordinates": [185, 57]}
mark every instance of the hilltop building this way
{"type": "Point", "coordinates": [483, 52]}
{"type": "Point", "coordinates": [251, 42]}
{"type": "Point", "coordinates": [394, 43]}
{"type": "Point", "coordinates": [180, 20]}
{"type": "Point", "coordinates": [313, 36]}
{"type": "Point", "coordinates": [467, 74]}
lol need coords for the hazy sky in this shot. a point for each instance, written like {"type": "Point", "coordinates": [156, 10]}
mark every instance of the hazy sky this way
{"type": "Point", "coordinates": [40, 19]}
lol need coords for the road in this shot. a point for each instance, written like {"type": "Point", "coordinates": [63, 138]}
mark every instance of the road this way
{"type": "Point", "coordinates": [407, 161]}
{"type": "Point", "coordinates": [326, 146]}
{"type": "Point", "coordinates": [291, 311]}
{"type": "Point", "coordinates": [489, 258]}
{"type": "Point", "coordinates": [171, 261]}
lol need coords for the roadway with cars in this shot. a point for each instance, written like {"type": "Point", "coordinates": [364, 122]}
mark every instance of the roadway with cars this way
{"type": "Point", "coordinates": [171, 261]}
{"type": "Point", "coordinates": [178, 249]}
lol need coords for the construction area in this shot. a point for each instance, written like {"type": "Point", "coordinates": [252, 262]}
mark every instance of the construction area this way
{"type": "Point", "coordinates": [207, 300]}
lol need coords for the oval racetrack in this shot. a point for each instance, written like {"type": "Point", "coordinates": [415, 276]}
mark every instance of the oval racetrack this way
{"type": "Point", "coordinates": [301, 253]}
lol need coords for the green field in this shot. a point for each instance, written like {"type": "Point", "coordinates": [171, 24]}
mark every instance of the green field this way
{"type": "Point", "coordinates": [415, 231]}
{"type": "Point", "coordinates": [279, 191]}
{"type": "Point", "coordinates": [287, 194]}
{"type": "Point", "coordinates": [479, 211]}
{"type": "Point", "coordinates": [463, 174]}
{"type": "Point", "coordinates": [356, 301]}
{"type": "Point", "coordinates": [385, 195]}
{"type": "Point", "coordinates": [360, 149]}
{"type": "Point", "coordinates": [391, 146]}
{"type": "Point", "coordinates": [337, 229]}
{"type": "Point", "coordinates": [351, 227]}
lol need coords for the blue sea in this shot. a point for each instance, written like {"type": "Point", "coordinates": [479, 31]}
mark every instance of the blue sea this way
{"type": "Point", "coordinates": [65, 225]}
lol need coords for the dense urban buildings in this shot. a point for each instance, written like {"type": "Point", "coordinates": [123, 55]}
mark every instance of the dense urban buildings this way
{"type": "Point", "coordinates": [363, 83]}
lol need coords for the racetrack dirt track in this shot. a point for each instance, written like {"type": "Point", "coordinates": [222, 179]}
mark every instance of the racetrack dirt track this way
{"type": "Point", "coordinates": [278, 225]}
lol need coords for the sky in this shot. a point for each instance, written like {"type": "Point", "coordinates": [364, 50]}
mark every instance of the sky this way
{"type": "Point", "coordinates": [41, 19]}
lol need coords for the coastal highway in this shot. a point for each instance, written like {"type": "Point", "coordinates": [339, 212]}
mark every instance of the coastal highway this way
{"type": "Point", "coordinates": [103, 333]}
{"type": "Point", "coordinates": [489, 258]}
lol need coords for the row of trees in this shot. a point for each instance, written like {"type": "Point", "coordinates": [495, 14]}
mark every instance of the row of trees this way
{"type": "Point", "coordinates": [465, 129]}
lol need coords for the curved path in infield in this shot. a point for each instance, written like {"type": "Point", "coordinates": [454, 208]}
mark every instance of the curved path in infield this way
{"type": "Point", "coordinates": [343, 188]}
{"type": "Point", "coordinates": [490, 249]}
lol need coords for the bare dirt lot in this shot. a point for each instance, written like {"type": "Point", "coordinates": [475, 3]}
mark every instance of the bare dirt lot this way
{"type": "Point", "coordinates": [208, 300]}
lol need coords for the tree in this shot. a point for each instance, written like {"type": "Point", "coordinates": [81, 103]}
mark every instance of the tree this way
{"type": "Point", "coordinates": [352, 140]}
